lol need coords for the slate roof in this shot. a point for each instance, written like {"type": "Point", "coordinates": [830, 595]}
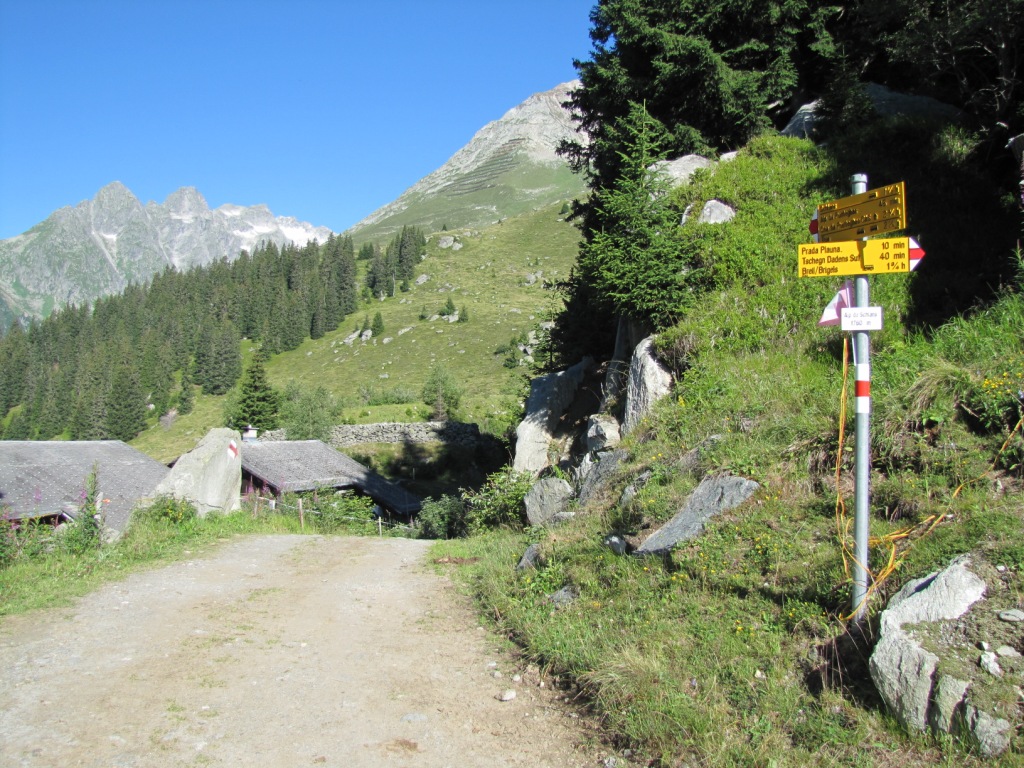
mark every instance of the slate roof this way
{"type": "Point", "coordinates": [40, 478]}
{"type": "Point", "coordinates": [291, 466]}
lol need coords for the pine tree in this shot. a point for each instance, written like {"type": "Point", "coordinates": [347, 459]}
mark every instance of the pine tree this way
{"type": "Point", "coordinates": [464, 314]}
{"type": "Point", "coordinates": [258, 402]}
{"type": "Point", "coordinates": [378, 325]}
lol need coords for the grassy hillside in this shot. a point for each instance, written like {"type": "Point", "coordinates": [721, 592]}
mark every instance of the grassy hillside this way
{"type": "Point", "coordinates": [734, 650]}
{"type": "Point", "coordinates": [498, 276]}
{"type": "Point", "coordinates": [504, 184]}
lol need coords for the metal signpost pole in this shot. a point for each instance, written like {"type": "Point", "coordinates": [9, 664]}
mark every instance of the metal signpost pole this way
{"type": "Point", "coordinates": [862, 457]}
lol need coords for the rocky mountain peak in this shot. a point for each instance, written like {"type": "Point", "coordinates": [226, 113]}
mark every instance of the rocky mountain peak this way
{"type": "Point", "coordinates": [508, 167]}
{"type": "Point", "coordinates": [186, 202]}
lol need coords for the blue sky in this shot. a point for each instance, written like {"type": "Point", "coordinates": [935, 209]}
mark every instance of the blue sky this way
{"type": "Point", "coordinates": [322, 109]}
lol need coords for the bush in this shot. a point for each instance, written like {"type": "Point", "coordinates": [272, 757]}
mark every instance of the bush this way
{"type": "Point", "coordinates": [178, 512]}
{"type": "Point", "coordinates": [499, 502]}
{"type": "Point", "coordinates": [344, 512]}
{"type": "Point", "coordinates": [444, 518]}
{"type": "Point", "coordinates": [308, 414]}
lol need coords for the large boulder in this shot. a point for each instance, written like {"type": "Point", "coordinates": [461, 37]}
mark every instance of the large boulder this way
{"type": "Point", "coordinates": [628, 334]}
{"type": "Point", "coordinates": [649, 381]}
{"type": "Point", "coordinates": [925, 673]}
{"type": "Point", "coordinates": [713, 212]}
{"type": "Point", "coordinates": [210, 475]}
{"type": "Point", "coordinates": [885, 102]}
{"type": "Point", "coordinates": [546, 500]}
{"type": "Point", "coordinates": [550, 396]}
{"type": "Point", "coordinates": [714, 495]}
{"type": "Point", "coordinates": [679, 171]}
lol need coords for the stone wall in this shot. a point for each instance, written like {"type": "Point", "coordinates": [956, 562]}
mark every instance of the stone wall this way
{"type": "Point", "coordinates": [343, 435]}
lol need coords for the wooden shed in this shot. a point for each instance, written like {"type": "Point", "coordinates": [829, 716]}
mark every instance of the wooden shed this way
{"type": "Point", "coordinates": [45, 480]}
{"type": "Point", "coordinates": [293, 466]}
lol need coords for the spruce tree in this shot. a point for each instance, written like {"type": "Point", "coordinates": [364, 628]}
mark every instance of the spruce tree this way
{"type": "Point", "coordinates": [222, 359]}
{"type": "Point", "coordinates": [633, 260]}
{"type": "Point", "coordinates": [378, 325]}
{"type": "Point", "coordinates": [258, 402]}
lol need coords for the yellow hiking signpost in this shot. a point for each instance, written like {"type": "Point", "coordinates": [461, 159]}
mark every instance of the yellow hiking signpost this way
{"type": "Point", "coordinates": [874, 212]}
{"type": "Point", "coordinates": [842, 227]}
{"type": "Point", "coordinates": [884, 256]}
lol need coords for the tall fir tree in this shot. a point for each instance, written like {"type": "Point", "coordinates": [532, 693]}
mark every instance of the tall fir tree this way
{"type": "Point", "coordinates": [258, 403]}
{"type": "Point", "coordinates": [633, 258]}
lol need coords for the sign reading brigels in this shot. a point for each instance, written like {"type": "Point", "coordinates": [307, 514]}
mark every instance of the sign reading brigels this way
{"type": "Point", "coordinates": [874, 212]}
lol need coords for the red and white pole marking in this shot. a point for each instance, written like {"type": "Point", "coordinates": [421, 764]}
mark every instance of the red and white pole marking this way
{"type": "Point", "coordinates": [862, 388]}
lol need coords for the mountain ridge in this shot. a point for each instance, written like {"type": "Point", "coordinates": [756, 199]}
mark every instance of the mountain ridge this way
{"type": "Point", "coordinates": [101, 245]}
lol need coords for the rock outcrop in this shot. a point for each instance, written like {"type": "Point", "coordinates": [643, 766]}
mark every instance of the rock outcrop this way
{"type": "Point", "coordinates": [550, 395]}
{"type": "Point", "coordinates": [926, 665]}
{"type": "Point", "coordinates": [546, 501]}
{"type": "Point", "coordinates": [648, 382]}
{"type": "Point", "coordinates": [885, 101]}
{"type": "Point", "coordinates": [599, 474]}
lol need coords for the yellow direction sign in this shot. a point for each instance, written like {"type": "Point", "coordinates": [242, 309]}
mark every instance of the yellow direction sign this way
{"type": "Point", "coordinates": [887, 255]}
{"type": "Point", "coordinates": [874, 212]}
{"type": "Point", "coordinates": [831, 259]}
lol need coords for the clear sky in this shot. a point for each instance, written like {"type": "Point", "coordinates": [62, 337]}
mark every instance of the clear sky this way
{"type": "Point", "coordinates": [324, 110]}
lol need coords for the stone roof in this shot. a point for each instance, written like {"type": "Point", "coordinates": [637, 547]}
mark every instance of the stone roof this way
{"type": "Point", "coordinates": [39, 478]}
{"type": "Point", "coordinates": [291, 466]}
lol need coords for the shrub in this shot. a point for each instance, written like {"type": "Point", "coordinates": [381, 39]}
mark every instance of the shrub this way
{"type": "Point", "coordinates": [344, 512]}
{"type": "Point", "coordinates": [86, 532]}
{"type": "Point", "coordinates": [442, 392]}
{"type": "Point", "coordinates": [178, 512]}
{"type": "Point", "coordinates": [499, 502]}
{"type": "Point", "coordinates": [444, 518]}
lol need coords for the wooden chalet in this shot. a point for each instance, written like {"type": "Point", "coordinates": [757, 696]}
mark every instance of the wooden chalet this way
{"type": "Point", "coordinates": [45, 480]}
{"type": "Point", "coordinates": [293, 466]}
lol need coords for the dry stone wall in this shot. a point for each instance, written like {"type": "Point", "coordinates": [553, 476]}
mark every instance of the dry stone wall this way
{"type": "Point", "coordinates": [343, 435]}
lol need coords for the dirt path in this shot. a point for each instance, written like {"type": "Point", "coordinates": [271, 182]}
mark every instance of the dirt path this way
{"type": "Point", "coordinates": [275, 651]}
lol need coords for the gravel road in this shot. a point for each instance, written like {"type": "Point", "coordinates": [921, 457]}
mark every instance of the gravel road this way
{"type": "Point", "coordinates": [277, 651]}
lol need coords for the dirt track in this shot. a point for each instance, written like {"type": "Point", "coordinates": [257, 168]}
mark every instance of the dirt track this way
{"type": "Point", "coordinates": [276, 651]}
